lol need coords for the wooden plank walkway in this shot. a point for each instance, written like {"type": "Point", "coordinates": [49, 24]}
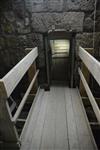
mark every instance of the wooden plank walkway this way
{"type": "Point", "coordinates": [58, 122]}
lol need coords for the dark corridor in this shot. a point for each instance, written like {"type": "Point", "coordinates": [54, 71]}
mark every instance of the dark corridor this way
{"type": "Point", "coordinates": [60, 58]}
{"type": "Point", "coordinates": [60, 61]}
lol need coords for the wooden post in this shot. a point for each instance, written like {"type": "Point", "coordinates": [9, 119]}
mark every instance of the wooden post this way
{"type": "Point", "coordinates": [7, 128]}
{"type": "Point", "coordinates": [8, 133]}
{"type": "Point", "coordinates": [31, 73]}
{"type": "Point", "coordinates": [86, 74]}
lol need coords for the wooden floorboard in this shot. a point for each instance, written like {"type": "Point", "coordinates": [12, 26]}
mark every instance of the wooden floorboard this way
{"type": "Point", "coordinates": [72, 132]}
{"type": "Point", "coordinates": [27, 139]}
{"type": "Point", "coordinates": [58, 123]}
{"type": "Point", "coordinates": [48, 136]}
{"type": "Point", "coordinates": [37, 134]}
{"type": "Point", "coordinates": [84, 138]}
{"type": "Point", "coordinates": [61, 141]}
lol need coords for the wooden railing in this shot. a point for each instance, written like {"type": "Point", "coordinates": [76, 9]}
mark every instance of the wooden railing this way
{"type": "Point", "coordinates": [7, 85]}
{"type": "Point", "coordinates": [94, 67]}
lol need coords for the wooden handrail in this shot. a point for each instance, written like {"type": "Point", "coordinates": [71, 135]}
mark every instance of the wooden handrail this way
{"type": "Point", "coordinates": [94, 67]}
{"type": "Point", "coordinates": [8, 83]}
{"type": "Point", "coordinates": [91, 63]}
{"type": "Point", "coordinates": [14, 119]}
{"type": "Point", "coordinates": [90, 95]}
{"type": "Point", "coordinates": [13, 77]}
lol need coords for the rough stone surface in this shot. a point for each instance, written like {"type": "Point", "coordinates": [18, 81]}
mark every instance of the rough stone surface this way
{"type": "Point", "coordinates": [88, 24]}
{"type": "Point", "coordinates": [86, 40]}
{"type": "Point", "coordinates": [82, 5]}
{"type": "Point", "coordinates": [98, 20]}
{"type": "Point", "coordinates": [59, 5]}
{"type": "Point", "coordinates": [19, 19]}
{"type": "Point", "coordinates": [16, 35]}
{"type": "Point", "coordinates": [9, 15]}
{"type": "Point", "coordinates": [69, 21]}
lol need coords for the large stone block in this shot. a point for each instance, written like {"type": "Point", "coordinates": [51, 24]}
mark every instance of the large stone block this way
{"type": "Point", "coordinates": [19, 7]}
{"type": "Point", "coordinates": [97, 21]}
{"type": "Point", "coordinates": [2, 43]}
{"type": "Point", "coordinates": [54, 5]}
{"type": "Point", "coordinates": [8, 28]}
{"type": "Point", "coordinates": [86, 40]}
{"type": "Point", "coordinates": [35, 5]}
{"type": "Point", "coordinates": [9, 15]}
{"type": "Point", "coordinates": [82, 5]}
{"type": "Point", "coordinates": [70, 21]}
{"type": "Point", "coordinates": [44, 5]}
{"type": "Point", "coordinates": [59, 5]}
{"type": "Point", "coordinates": [11, 41]}
{"type": "Point", "coordinates": [88, 24]}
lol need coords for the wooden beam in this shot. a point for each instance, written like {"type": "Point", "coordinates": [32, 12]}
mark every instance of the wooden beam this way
{"type": "Point", "coordinates": [86, 74]}
{"type": "Point", "coordinates": [94, 123]}
{"type": "Point", "coordinates": [28, 49]}
{"type": "Point", "coordinates": [7, 128]}
{"type": "Point", "coordinates": [3, 92]}
{"type": "Point", "coordinates": [87, 121]}
{"type": "Point", "coordinates": [91, 63]}
{"type": "Point", "coordinates": [8, 131]}
{"type": "Point", "coordinates": [14, 119]}
{"type": "Point", "coordinates": [13, 77]}
{"type": "Point", "coordinates": [31, 73]}
{"type": "Point", "coordinates": [90, 95]}
{"type": "Point", "coordinates": [21, 120]}
{"type": "Point", "coordinates": [25, 128]}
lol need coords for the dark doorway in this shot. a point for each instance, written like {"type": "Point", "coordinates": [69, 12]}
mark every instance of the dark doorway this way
{"type": "Point", "coordinates": [60, 61]}
{"type": "Point", "coordinates": [60, 58]}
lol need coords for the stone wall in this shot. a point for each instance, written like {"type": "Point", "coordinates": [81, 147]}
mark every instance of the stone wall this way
{"type": "Point", "coordinates": [61, 13]}
{"type": "Point", "coordinates": [16, 34]}
{"type": "Point", "coordinates": [23, 22]}
{"type": "Point", "coordinates": [88, 40]}
{"type": "Point", "coordinates": [59, 5]}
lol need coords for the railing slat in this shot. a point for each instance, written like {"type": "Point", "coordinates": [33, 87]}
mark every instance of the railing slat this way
{"type": "Point", "coordinates": [13, 77]}
{"type": "Point", "coordinates": [91, 63]}
{"type": "Point", "coordinates": [90, 95]}
{"type": "Point", "coordinates": [24, 98]}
